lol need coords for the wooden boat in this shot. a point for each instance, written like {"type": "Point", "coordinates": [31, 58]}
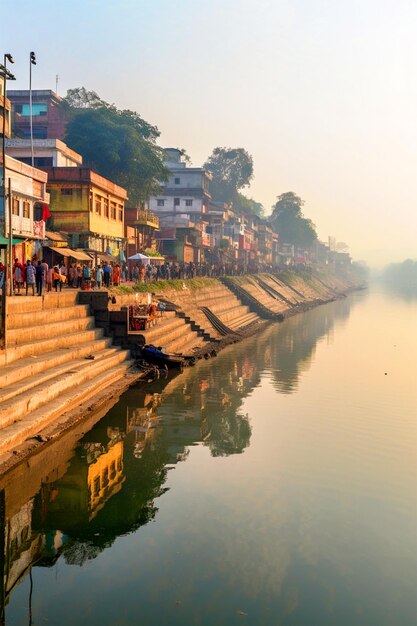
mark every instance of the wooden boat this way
{"type": "Point", "coordinates": [159, 357]}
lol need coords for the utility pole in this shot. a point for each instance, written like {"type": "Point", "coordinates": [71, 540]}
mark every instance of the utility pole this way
{"type": "Point", "coordinates": [56, 84]}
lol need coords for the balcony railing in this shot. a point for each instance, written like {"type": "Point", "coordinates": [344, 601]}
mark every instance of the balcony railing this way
{"type": "Point", "coordinates": [146, 218]}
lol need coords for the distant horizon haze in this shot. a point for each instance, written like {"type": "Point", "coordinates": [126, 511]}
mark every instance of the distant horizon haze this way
{"type": "Point", "coordinates": [322, 94]}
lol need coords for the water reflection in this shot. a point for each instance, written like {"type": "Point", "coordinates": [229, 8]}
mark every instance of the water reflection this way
{"type": "Point", "coordinates": [78, 495]}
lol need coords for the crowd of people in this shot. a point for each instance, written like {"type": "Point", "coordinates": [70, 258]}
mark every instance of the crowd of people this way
{"type": "Point", "coordinates": [38, 277]}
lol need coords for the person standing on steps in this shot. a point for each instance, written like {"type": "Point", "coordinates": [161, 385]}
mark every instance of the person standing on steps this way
{"type": "Point", "coordinates": [106, 274]}
{"type": "Point", "coordinates": [45, 274]}
{"type": "Point", "coordinates": [99, 276]}
{"type": "Point", "coordinates": [39, 271]}
{"type": "Point", "coordinates": [18, 275]}
{"type": "Point", "coordinates": [30, 277]}
{"type": "Point", "coordinates": [57, 278]}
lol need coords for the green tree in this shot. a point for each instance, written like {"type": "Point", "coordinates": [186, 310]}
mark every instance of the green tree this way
{"type": "Point", "coordinates": [247, 205]}
{"type": "Point", "coordinates": [232, 170]}
{"type": "Point", "coordinates": [119, 144]}
{"type": "Point", "coordinates": [288, 220]}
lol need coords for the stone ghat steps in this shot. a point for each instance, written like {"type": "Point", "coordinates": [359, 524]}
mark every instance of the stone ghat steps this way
{"type": "Point", "coordinates": [292, 295]}
{"type": "Point", "coordinates": [17, 319]}
{"type": "Point", "coordinates": [257, 299]}
{"type": "Point", "coordinates": [35, 364]}
{"type": "Point", "coordinates": [69, 398]}
{"type": "Point", "coordinates": [21, 336]}
{"type": "Point", "coordinates": [165, 330]}
{"type": "Point", "coordinates": [277, 291]}
{"type": "Point", "coordinates": [55, 359]}
{"type": "Point", "coordinates": [263, 297]}
{"type": "Point", "coordinates": [173, 334]}
{"type": "Point", "coordinates": [244, 321]}
{"type": "Point", "coordinates": [185, 344]}
{"type": "Point", "coordinates": [309, 293]}
{"type": "Point", "coordinates": [42, 347]}
{"type": "Point", "coordinates": [30, 304]}
{"type": "Point", "coordinates": [223, 304]}
{"type": "Point", "coordinates": [31, 393]}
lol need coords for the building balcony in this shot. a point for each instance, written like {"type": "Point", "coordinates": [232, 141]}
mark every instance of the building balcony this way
{"type": "Point", "coordinates": [26, 227]}
{"type": "Point", "coordinates": [146, 218]}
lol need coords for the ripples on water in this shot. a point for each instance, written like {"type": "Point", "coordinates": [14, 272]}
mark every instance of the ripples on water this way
{"type": "Point", "coordinates": [273, 485]}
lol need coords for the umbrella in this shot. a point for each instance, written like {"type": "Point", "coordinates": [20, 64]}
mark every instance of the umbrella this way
{"type": "Point", "coordinates": [138, 256]}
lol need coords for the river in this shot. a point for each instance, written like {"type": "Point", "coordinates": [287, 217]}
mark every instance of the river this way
{"type": "Point", "coordinates": [275, 484]}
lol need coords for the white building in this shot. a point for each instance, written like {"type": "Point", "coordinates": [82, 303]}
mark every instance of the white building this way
{"type": "Point", "coordinates": [28, 203]}
{"type": "Point", "coordinates": [186, 192]}
{"type": "Point", "coordinates": [46, 152]}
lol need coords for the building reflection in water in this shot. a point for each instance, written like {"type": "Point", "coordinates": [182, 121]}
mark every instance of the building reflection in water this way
{"type": "Point", "coordinates": [78, 496]}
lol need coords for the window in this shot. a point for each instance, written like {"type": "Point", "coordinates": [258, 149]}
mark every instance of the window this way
{"type": "Point", "coordinates": [66, 192]}
{"type": "Point", "coordinates": [176, 202]}
{"type": "Point", "coordinates": [188, 203]}
{"type": "Point", "coordinates": [38, 108]}
{"type": "Point", "coordinates": [113, 210]}
{"type": "Point", "coordinates": [97, 205]}
{"type": "Point", "coordinates": [15, 206]}
{"type": "Point", "coordinates": [160, 202]}
{"type": "Point", "coordinates": [177, 181]}
{"type": "Point", "coordinates": [120, 213]}
{"type": "Point", "coordinates": [43, 162]}
{"type": "Point", "coordinates": [26, 208]}
{"type": "Point", "coordinates": [106, 208]}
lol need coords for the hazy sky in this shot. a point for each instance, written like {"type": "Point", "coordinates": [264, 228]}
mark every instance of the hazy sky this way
{"type": "Point", "coordinates": [322, 93]}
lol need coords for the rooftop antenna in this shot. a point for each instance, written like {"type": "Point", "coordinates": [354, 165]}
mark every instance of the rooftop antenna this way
{"type": "Point", "coordinates": [56, 84]}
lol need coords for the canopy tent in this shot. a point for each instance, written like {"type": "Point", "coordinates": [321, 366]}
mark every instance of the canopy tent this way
{"type": "Point", "coordinates": [138, 257]}
{"type": "Point", "coordinates": [75, 254]}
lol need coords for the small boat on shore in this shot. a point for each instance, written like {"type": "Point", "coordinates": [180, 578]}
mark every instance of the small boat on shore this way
{"type": "Point", "coordinates": [159, 357]}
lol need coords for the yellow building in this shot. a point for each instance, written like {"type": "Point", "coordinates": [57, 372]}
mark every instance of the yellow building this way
{"type": "Point", "coordinates": [88, 207]}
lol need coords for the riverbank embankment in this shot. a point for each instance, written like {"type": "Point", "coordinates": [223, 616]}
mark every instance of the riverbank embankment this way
{"type": "Point", "coordinates": [70, 355]}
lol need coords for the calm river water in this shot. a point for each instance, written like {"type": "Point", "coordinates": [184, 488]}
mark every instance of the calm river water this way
{"type": "Point", "coordinates": [273, 485]}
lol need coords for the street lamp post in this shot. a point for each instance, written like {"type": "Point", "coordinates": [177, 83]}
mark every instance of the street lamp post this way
{"type": "Point", "coordinates": [32, 61]}
{"type": "Point", "coordinates": [6, 75]}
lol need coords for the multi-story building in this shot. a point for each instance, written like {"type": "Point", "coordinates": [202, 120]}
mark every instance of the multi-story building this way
{"type": "Point", "coordinates": [46, 153]}
{"type": "Point", "coordinates": [182, 208]}
{"type": "Point", "coordinates": [5, 107]}
{"type": "Point", "coordinates": [88, 207]}
{"type": "Point", "coordinates": [187, 190]}
{"type": "Point", "coordinates": [265, 243]}
{"type": "Point", "coordinates": [144, 225]}
{"type": "Point", "coordinates": [49, 118]}
{"type": "Point", "coordinates": [29, 202]}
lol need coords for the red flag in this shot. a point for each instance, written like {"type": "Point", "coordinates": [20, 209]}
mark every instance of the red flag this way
{"type": "Point", "coordinates": [45, 212]}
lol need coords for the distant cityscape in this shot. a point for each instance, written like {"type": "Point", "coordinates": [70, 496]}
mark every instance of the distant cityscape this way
{"type": "Point", "coordinates": [63, 211]}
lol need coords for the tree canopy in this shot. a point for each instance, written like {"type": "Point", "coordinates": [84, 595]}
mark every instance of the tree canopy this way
{"type": "Point", "coordinates": [119, 144]}
{"type": "Point", "coordinates": [232, 170]}
{"type": "Point", "coordinates": [247, 205]}
{"type": "Point", "coordinates": [288, 220]}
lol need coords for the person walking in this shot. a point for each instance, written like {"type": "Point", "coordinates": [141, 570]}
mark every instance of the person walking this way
{"type": "Point", "coordinates": [45, 274]}
{"type": "Point", "coordinates": [30, 277]}
{"type": "Point", "coordinates": [79, 275]}
{"type": "Point", "coordinates": [106, 274]}
{"type": "Point", "coordinates": [116, 275]}
{"type": "Point", "coordinates": [56, 276]}
{"type": "Point", "coordinates": [72, 275]}
{"type": "Point", "coordinates": [99, 276]}
{"type": "Point", "coordinates": [18, 275]}
{"type": "Point", "coordinates": [63, 272]}
{"type": "Point", "coordinates": [39, 278]}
